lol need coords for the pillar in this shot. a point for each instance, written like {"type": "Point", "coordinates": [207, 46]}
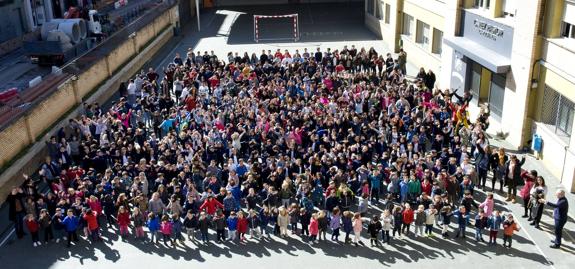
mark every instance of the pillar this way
{"type": "Point", "coordinates": [553, 16]}
{"type": "Point", "coordinates": [496, 8]}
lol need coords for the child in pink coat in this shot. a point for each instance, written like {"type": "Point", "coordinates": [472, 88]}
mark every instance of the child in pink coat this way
{"type": "Point", "coordinates": [166, 230]}
{"type": "Point", "coordinates": [313, 228]}
{"type": "Point", "coordinates": [488, 204]}
{"type": "Point", "coordinates": [357, 227]}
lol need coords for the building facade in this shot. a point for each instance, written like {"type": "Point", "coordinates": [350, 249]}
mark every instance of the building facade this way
{"type": "Point", "coordinates": [415, 25]}
{"type": "Point", "coordinates": [514, 56]}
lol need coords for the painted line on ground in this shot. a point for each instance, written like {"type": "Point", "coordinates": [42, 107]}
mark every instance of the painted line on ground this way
{"type": "Point", "coordinates": [536, 246]}
{"type": "Point", "coordinates": [505, 205]}
{"type": "Point", "coordinates": [7, 237]}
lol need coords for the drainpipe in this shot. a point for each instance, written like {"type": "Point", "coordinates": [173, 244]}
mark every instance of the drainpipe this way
{"type": "Point", "coordinates": [563, 168]}
{"type": "Point", "coordinates": [198, 13]}
{"type": "Point", "coordinates": [540, 62]}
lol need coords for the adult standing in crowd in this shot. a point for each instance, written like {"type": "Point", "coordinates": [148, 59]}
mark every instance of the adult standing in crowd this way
{"type": "Point", "coordinates": [513, 177]}
{"type": "Point", "coordinates": [16, 209]}
{"type": "Point", "coordinates": [560, 209]}
{"type": "Point", "coordinates": [402, 61]}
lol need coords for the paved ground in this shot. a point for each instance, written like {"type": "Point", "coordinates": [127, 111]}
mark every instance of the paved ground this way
{"type": "Point", "coordinates": [230, 29]}
{"type": "Point", "coordinates": [220, 33]}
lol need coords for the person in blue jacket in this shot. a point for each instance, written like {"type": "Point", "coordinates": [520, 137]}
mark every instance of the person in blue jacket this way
{"type": "Point", "coordinates": [232, 223]}
{"type": "Point", "coordinates": [265, 216]}
{"type": "Point", "coordinates": [347, 225]}
{"type": "Point", "coordinates": [494, 225]}
{"type": "Point", "coordinates": [403, 188]}
{"type": "Point", "coordinates": [70, 223]}
{"type": "Point", "coordinates": [461, 218]}
{"type": "Point", "coordinates": [153, 226]}
{"type": "Point", "coordinates": [560, 210]}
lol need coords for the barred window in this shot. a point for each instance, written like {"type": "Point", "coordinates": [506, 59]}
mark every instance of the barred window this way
{"type": "Point", "coordinates": [558, 111]}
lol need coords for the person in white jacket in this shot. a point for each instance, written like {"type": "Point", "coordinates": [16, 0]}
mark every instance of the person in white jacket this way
{"type": "Point", "coordinates": [386, 225]}
{"type": "Point", "coordinates": [430, 216]}
{"type": "Point", "coordinates": [283, 221]}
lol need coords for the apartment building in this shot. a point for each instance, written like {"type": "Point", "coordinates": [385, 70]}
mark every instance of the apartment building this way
{"type": "Point", "coordinates": [553, 81]}
{"type": "Point", "coordinates": [514, 56]}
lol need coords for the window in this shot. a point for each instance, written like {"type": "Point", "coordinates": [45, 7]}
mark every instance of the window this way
{"type": "Point", "coordinates": [378, 10]}
{"type": "Point", "coordinates": [407, 24]}
{"type": "Point", "coordinates": [437, 41]}
{"type": "Point", "coordinates": [567, 30]}
{"type": "Point", "coordinates": [509, 8]}
{"type": "Point", "coordinates": [387, 13]}
{"type": "Point", "coordinates": [422, 33]}
{"type": "Point", "coordinates": [475, 81]}
{"type": "Point", "coordinates": [557, 111]}
{"type": "Point", "coordinates": [371, 7]}
{"type": "Point", "coordinates": [497, 94]}
{"type": "Point", "coordinates": [484, 4]}
{"type": "Point", "coordinates": [568, 19]}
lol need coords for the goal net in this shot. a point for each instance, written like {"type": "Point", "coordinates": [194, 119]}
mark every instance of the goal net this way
{"type": "Point", "coordinates": [276, 27]}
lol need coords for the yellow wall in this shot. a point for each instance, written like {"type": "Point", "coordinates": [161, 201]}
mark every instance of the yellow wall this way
{"type": "Point", "coordinates": [120, 55]}
{"type": "Point", "coordinates": [484, 85]}
{"type": "Point", "coordinates": [553, 16]}
{"type": "Point", "coordinates": [14, 139]}
{"type": "Point", "coordinates": [558, 83]}
{"type": "Point", "coordinates": [496, 8]}
{"type": "Point", "coordinates": [50, 110]}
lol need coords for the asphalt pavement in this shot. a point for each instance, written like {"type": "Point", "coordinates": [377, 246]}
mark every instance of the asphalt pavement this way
{"type": "Point", "coordinates": [530, 246]}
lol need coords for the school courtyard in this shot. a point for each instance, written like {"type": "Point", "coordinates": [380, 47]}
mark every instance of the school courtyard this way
{"type": "Point", "coordinates": [229, 29]}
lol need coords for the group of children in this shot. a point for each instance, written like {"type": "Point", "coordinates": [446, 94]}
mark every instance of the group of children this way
{"type": "Point", "coordinates": [310, 225]}
{"type": "Point", "coordinates": [400, 220]}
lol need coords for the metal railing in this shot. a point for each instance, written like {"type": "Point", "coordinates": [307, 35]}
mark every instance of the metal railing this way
{"type": "Point", "coordinates": [12, 112]}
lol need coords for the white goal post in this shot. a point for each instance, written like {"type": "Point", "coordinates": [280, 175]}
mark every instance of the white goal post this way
{"type": "Point", "coordinates": [295, 24]}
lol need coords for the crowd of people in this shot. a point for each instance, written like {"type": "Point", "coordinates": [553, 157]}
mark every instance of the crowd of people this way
{"type": "Point", "coordinates": [301, 143]}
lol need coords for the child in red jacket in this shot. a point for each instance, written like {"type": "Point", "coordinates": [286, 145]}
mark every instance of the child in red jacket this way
{"type": "Point", "coordinates": [211, 205]}
{"type": "Point", "coordinates": [509, 227]}
{"type": "Point", "coordinates": [91, 219]}
{"type": "Point", "coordinates": [33, 227]}
{"type": "Point", "coordinates": [242, 226]}
{"type": "Point", "coordinates": [408, 217]}
{"type": "Point", "coordinates": [123, 221]}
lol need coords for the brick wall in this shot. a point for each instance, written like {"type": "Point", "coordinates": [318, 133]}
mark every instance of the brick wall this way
{"type": "Point", "coordinates": [16, 137]}
{"type": "Point", "coordinates": [144, 36]}
{"type": "Point", "coordinates": [120, 55]}
{"type": "Point", "coordinates": [88, 80]}
{"type": "Point", "coordinates": [51, 109]}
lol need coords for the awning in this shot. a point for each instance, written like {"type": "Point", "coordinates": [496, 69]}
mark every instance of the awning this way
{"type": "Point", "coordinates": [486, 57]}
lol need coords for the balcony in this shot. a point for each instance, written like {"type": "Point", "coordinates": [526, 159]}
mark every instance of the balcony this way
{"type": "Point", "coordinates": [560, 52]}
